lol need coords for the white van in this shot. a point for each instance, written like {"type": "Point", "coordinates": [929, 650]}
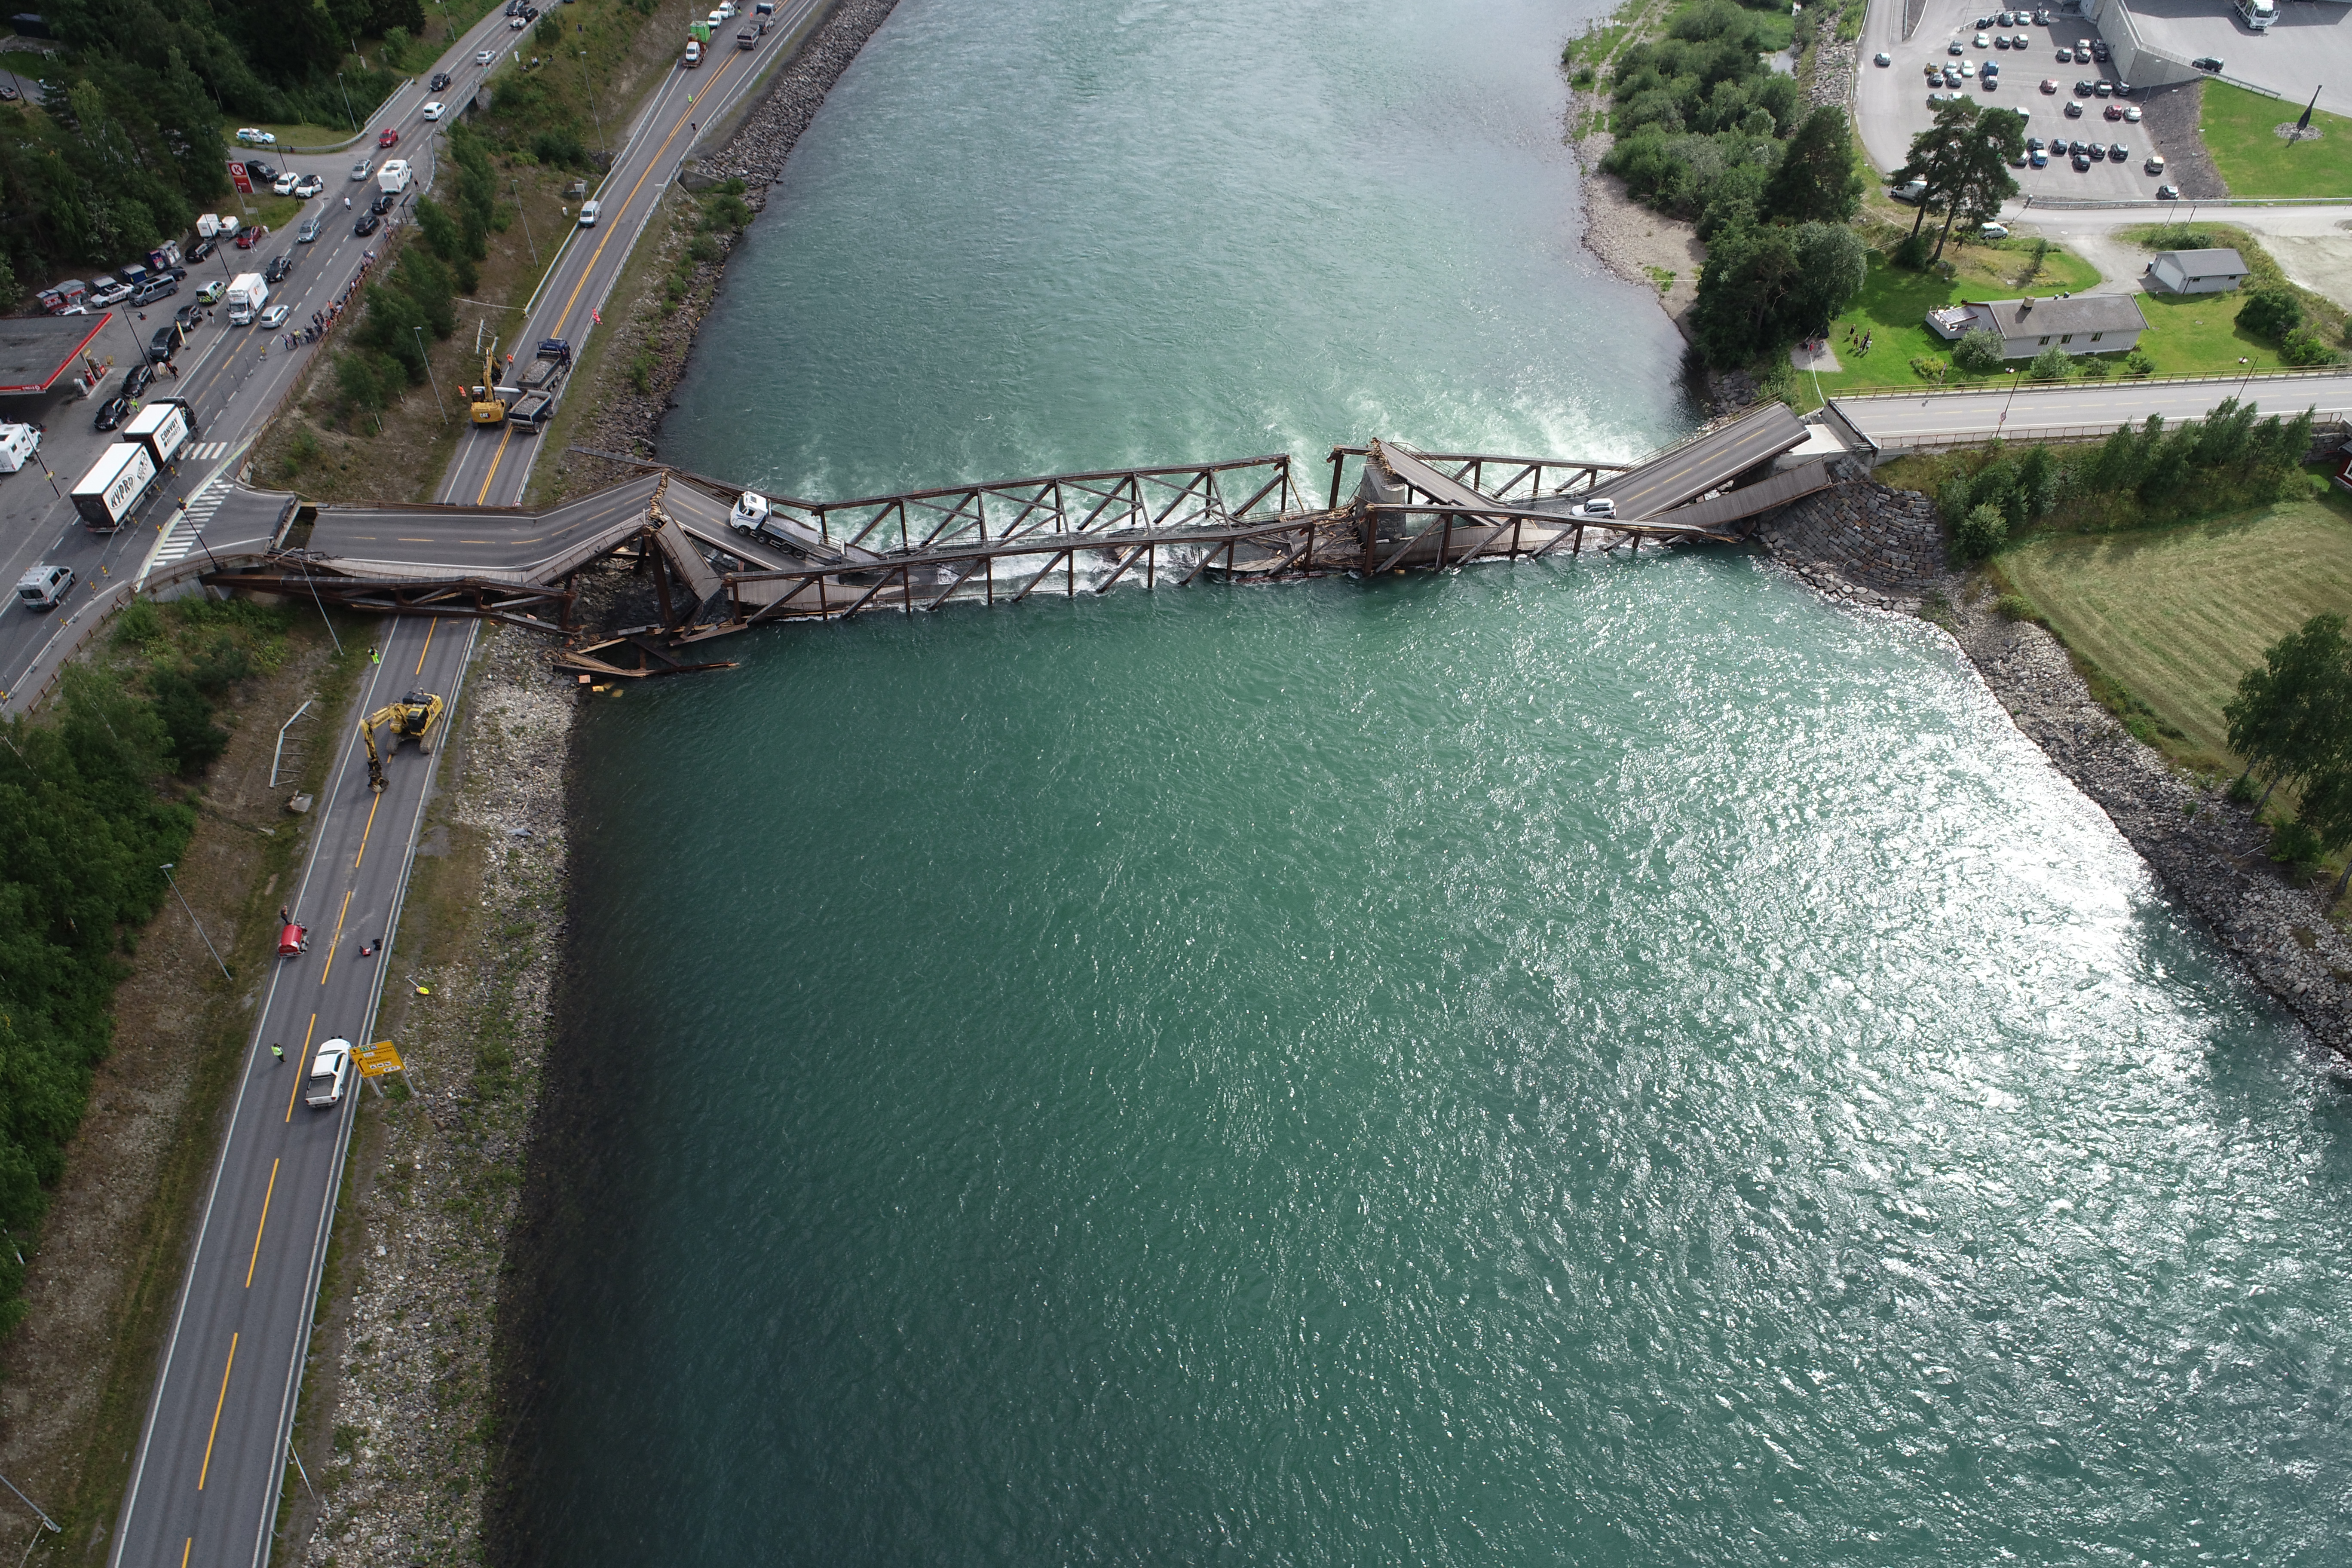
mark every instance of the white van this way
{"type": "Point", "coordinates": [19, 443]}
{"type": "Point", "coordinates": [44, 587]}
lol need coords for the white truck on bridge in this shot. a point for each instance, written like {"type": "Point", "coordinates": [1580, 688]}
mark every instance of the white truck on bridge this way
{"type": "Point", "coordinates": [246, 294]}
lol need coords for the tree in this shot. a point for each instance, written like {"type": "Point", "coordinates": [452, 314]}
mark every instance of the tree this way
{"type": "Point", "coordinates": [1816, 182]}
{"type": "Point", "coordinates": [1978, 352]}
{"type": "Point", "coordinates": [2291, 716]}
{"type": "Point", "coordinates": [2271, 312]}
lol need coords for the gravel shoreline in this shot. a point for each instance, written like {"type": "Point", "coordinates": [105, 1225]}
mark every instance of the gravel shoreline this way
{"type": "Point", "coordinates": [1863, 543]}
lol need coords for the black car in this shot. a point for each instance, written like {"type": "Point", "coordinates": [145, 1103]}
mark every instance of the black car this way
{"type": "Point", "coordinates": [279, 266]}
{"type": "Point", "coordinates": [369, 223]}
{"type": "Point", "coordinates": [384, 202]}
{"type": "Point", "coordinates": [113, 412]}
{"type": "Point", "coordinates": [440, 80]}
{"type": "Point", "coordinates": [201, 249]}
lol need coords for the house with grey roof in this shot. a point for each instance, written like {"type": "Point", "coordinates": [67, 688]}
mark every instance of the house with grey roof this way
{"type": "Point", "coordinates": [2075, 324]}
{"type": "Point", "coordinates": [2196, 271]}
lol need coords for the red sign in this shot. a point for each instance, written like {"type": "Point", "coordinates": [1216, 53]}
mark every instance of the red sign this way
{"type": "Point", "coordinates": [238, 175]}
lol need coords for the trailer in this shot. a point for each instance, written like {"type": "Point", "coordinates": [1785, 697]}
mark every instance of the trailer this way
{"type": "Point", "coordinates": [124, 480]}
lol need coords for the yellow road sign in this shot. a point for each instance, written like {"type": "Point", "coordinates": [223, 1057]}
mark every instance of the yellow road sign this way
{"type": "Point", "coordinates": [377, 1059]}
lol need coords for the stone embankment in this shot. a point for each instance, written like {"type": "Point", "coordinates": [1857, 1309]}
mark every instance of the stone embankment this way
{"type": "Point", "coordinates": [397, 1435]}
{"type": "Point", "coordinates": [1870, 546]}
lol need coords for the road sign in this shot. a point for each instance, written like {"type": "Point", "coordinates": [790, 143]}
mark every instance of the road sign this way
{"type": "Point", "coordinates": [378, 1060]}
{"type": "Point", "coordinates": [238, 175]}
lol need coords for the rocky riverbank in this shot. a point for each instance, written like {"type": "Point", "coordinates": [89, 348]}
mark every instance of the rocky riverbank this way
{"type": "Point", "coordinates": [396, 1435]}
{"type": "Point", "coordinates": [1866, 544]}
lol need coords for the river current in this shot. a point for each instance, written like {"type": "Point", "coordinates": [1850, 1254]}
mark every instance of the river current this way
{"type": "Point", "coordinates": [1610, 1062]}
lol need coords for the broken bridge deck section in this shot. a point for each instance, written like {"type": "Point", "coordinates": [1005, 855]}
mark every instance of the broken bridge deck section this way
{"type": "Point", "coordinates": [1246, 518]}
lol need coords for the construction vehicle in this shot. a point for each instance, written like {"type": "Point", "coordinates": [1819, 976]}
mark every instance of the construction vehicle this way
{"type": "Point", "coordinates": [414, 717]}
{"type": "Point", "coordinates": [489, 407]}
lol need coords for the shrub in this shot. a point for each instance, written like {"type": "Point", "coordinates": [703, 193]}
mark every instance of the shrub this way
{"type": "Point", "coordinates": [2271, 312]}
{"type": "Point", "coordinates": [2049, 364]}
{"type": "Point", "coordinates": [1982, 533]}
{"type": "Point", "coordinates": [1978, 352]}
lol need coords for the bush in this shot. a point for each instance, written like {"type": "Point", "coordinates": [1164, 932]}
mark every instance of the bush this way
{"type": "Point", "coordinates": [2271, 312]}
{"type": "Point", "coordinates": [1980, 534]}
{"type": "Point", "coordinates": [1978, 352]}
{"type": "Point", "coordinates": [2049, 364]}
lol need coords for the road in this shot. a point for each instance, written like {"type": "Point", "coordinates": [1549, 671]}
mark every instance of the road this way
{"type": "Point", "coordinates": [1905, 421]}
{"type": "Point", "coordinates": [211, 1462]}
{"type": "Point", "coordinates": [232, 383]}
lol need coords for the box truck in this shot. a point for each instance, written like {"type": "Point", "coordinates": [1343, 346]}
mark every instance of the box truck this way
{"type": "Point", "coordinates": [164, 428]}
{"type": "Point", "coordinates": [246, 294]}
{"type": "Point", "coordinates": [122, 480]}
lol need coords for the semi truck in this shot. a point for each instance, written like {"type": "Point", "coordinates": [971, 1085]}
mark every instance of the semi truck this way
{"type": "Point", "coordinates": [164, 428]}
{"type": "Point", "coordinates": [124, 480]}
{"type": "Point", "coordinates": [246, 294]}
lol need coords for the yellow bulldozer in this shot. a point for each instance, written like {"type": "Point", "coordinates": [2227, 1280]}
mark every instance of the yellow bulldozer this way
{"type": "Point", "coordinates": [488, 408]}
{"type": "Point", "coordinates": [416, 717]}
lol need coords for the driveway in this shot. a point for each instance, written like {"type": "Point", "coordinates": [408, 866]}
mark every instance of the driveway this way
{"type": "Point", "coordinates": [1891, 102]}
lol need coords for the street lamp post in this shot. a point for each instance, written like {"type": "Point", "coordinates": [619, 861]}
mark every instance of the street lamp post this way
{"type": "Point", "coordinates": [200, 932]}
{"type": "Point", "coordinates": [429, 380]}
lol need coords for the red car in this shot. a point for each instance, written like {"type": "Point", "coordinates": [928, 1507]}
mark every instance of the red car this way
{"type": "Point", "coordinates": [387, 137]}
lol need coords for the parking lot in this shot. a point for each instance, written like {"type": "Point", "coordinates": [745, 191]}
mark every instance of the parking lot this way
{"type": "Point", "coordinates": [2308, 46]}
{"type": "Point", "coordinates": [1892, 100]}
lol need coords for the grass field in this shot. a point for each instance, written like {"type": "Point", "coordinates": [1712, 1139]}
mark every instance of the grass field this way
{"type": "Point", "coordinates": [2242, 133]}
{"type": "Point", "coordinates": [2174, 615]}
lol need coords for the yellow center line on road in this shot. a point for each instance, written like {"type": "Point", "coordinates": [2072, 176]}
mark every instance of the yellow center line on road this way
{"type": "Point", "coordinates": [338, 936]}
{"type": "Point", "coordinates": [207, 1468]}
{"type": "Point", "coordinates": [263, 1225]}
{"type": "Point", "coordinates": [588, 271]}
{"type": "Point", "coordinates": [300, 1066]}
{"type": "Point", "coordinates": [372, 804]}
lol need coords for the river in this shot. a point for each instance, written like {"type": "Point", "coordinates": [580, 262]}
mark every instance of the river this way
{"type": "Point", "coordinates": [1613, 1061]}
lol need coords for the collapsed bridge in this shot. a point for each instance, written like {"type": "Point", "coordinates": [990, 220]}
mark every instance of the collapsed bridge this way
{"type": "Point", "coordinates": [716, 573]}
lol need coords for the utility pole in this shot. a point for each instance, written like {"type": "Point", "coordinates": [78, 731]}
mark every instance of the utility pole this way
{"type": "Point", "coordinates": [208, 948]}
{"type": "Point", "coordinates": [428, 374]}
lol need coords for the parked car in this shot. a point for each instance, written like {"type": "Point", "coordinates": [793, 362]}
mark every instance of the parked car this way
{"type": "Point", "coordinates": [113, 412]}
{"type": "Point", "coordinates": [387, 137]}
{"type": "Point", "coordinates": [330, 1073]}
{"type": "Point", "coordinates": [253, 136]}
{"type": "Point", "coordinates": [435, 110]}
{"type": "Point", "coordinates": [275, 317]}
{"type": "Point", "coordinates": [308, 232]}
{"type": "Point", "coordinates": [369, 223]}
{"type": "Point", "coordinates": [311, 184]}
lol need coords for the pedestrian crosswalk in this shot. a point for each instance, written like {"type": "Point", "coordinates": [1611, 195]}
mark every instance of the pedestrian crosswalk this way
{"type": "Point", "coordinates": [180, 539]}
{"type": "Point", "coordinates": [205, 451]}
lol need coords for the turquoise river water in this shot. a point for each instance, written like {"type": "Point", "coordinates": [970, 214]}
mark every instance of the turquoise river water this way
{"type": "Point", "coordinates": [1606, 1062]}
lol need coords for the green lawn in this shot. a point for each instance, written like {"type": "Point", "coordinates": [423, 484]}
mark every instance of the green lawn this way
{"type": "Point", "coordinates": [2177, 615]}
{"type": "Point", "coordinates": [2242, 133]}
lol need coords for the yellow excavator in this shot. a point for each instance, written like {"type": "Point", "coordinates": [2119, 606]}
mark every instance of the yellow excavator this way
{"type": "Point", "coordinates": [488, 408]}
{"type": "Point", "coordinates": [414, 718]}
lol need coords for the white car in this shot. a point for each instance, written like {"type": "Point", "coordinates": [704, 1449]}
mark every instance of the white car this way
{"type": "Point", "coordinates": [252, 136]}
{"type": "Point", "coordinates": [330, 1071]}
{"type": "Point", "coordinates": [363, 169]}
{"type": "Point", "coordinates": [275, 317]}
{"type": "Point", "coordinates": [589, 212]}
{"type": "Point", "coordinates": [286, 182]}
{"type": "Point", "coordinates": [484, 57]}
{"type": "Point", "coordinates": [310, 186]}
{"type": "Point", "coordinates": [435, 110]}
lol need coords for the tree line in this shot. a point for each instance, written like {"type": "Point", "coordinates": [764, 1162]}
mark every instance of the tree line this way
{"type": "Point", "coordinates": [2292, 722]}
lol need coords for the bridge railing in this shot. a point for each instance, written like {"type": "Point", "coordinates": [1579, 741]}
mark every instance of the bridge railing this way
{"type": "Point", "coordinates": [1109, 501]}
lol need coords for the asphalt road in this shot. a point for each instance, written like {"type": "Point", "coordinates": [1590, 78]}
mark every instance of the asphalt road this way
{"type": "Point", "coordinates": [1904, 421]}
{"type": "Point", "coordinates": [233, 377]}
{"type": "Point", "coordinates": [211, 1462]}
